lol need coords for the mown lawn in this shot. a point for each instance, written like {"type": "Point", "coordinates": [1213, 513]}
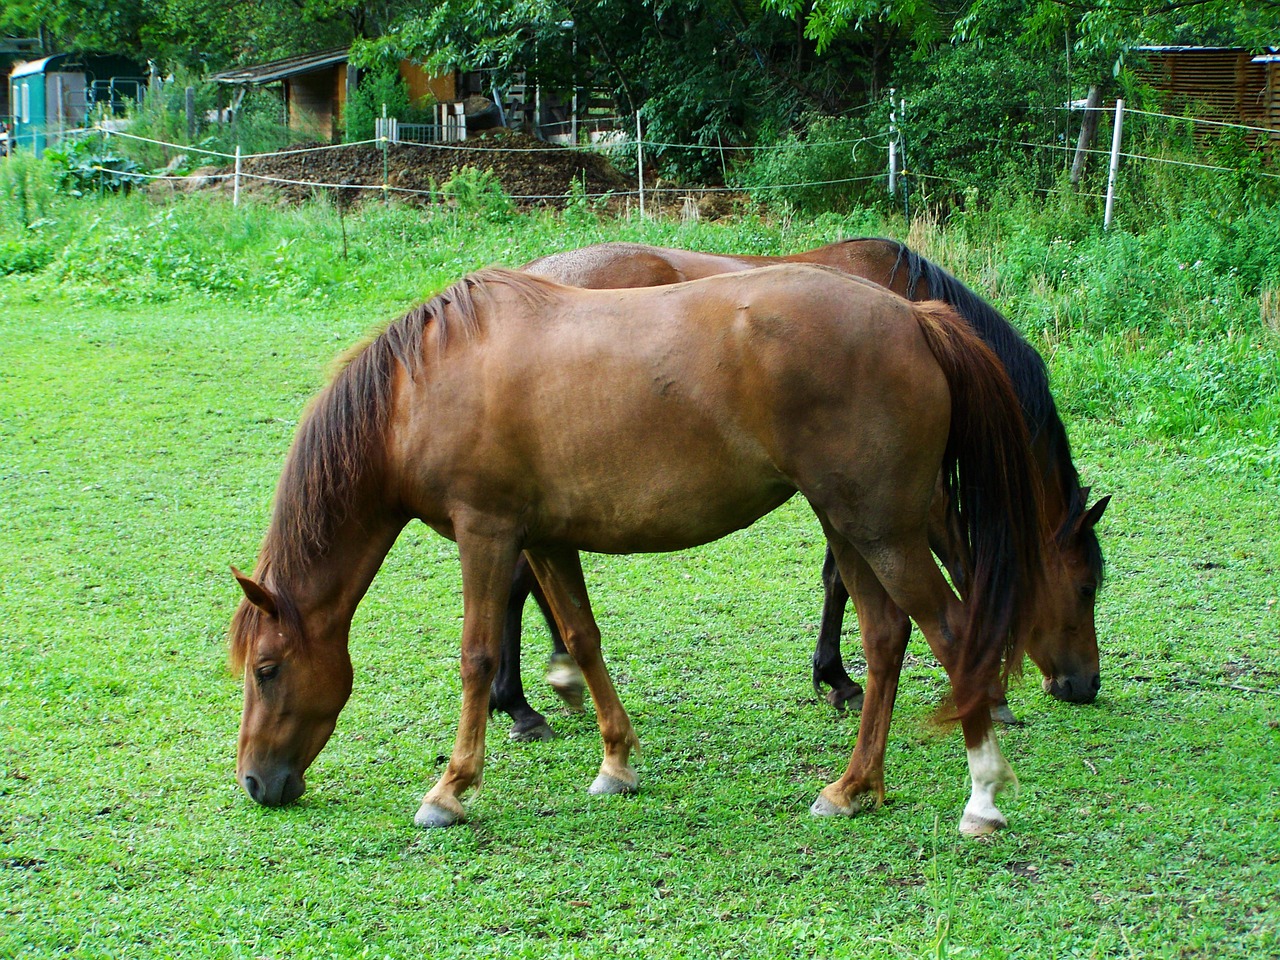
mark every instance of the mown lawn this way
{"type": "Point", "coordinates": [139, 447]}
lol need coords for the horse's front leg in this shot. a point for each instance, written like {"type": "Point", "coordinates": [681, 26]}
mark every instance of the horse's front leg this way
{"type": "Point", "coordinates": [487, 562]}
{"type": "Point", "coordinates": [559, 572]}
{"type": "Point", "coordinates": [828, 666]}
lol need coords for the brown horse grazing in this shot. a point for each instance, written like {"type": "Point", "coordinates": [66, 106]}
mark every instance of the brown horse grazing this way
{"type": "Point", "coordinates": [481, 413]}
{"type": "Point", "coordinates": [1063, 643]}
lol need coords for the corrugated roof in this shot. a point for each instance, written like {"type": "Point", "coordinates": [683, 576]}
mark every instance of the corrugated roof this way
{"type": "Point", "coordinates": [280, 69]}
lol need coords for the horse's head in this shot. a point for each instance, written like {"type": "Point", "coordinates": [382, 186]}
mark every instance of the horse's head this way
{"type": "Point", "coordinates": [294, 689]}
{"type": "Point", "coordinates": [1064, 642]}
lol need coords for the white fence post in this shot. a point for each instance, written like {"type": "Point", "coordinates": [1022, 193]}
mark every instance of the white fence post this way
{"type": "Point", "coordinates": [893, 146]}
{"type": "Point", "coordinates": [235, 190]}
{"type": "Point", "coordinates": [1115, 163]}
{"type": "Point", "coordinates": [640, 162]}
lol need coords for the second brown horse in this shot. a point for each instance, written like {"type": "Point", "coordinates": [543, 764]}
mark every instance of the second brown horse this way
{"type": "Point", "coordinates": [1063, 642]}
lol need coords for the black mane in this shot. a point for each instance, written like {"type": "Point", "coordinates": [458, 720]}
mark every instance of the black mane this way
{"type": "Point", "coordinates": [1030, 377]}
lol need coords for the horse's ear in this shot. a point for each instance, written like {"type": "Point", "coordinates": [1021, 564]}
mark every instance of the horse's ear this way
{"type": "Point", "coordinates": [256, 593]}
{"type": "Point", "coordinates": [1094, 513]}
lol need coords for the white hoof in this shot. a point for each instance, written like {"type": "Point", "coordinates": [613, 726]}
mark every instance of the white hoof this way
{"type": "Point", "coordinates": [606, 784]}
{"type": "Point", "coordinates": [982, 825]}
{"type": "Point", "coordinates": [565, 678]}
{"type": "Point", "coordinates": [430, 815]}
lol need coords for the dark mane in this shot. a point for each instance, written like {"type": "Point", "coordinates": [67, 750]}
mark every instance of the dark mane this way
{"type": "Point", "coordinates": [338, 444]}
{"type": "Point", "coordinates": [1030, 376]}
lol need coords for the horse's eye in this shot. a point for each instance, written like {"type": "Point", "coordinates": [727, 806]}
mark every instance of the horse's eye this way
{"type": "Point", "coordinates": [267, 672]}
{"type": "Point", "coordinates": [1089, 591]}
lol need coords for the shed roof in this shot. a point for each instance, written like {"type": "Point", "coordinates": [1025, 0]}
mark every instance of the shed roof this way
{"type": "Point", "coordinates": [277, 70]}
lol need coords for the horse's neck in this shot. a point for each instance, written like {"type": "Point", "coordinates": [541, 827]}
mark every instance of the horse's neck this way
{"type": "Point", "coordinates": [328, 585]}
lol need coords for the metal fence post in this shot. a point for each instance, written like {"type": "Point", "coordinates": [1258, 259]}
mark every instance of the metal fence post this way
{"type": "Point", "coordinates": [1115, 163]}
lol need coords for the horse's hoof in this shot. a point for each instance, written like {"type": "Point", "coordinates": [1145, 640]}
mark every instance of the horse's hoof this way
{"type": "Point", "coordinates": [540, 731]}
{"type": "Point", "coordinates": [822, 807]}
{"type": "Point", "coordinates": [845, 700]}
{"type": "Point", "coordinates": [972, 825]}
{"type": "Point", "coordinates": [564, 677]}
{"type": "Point", "coordinates": [606, 784]}
{"type": "Point", "coordinates": [430, 815]}
{"type": "Point", "coordinates": [1001, 713]}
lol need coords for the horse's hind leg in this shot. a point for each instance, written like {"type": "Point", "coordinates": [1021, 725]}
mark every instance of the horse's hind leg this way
{"type": "Point", "coordinates": [885, 630]}
{"type": "Point", "coordinates": [828, 667]}
{"type": "Point", "coordinates": [563, 674]}
{"type": "Point", "coordinates": [559, 571]}
{"type": "Point", "coordinates": [487, 562]}
{"type": "Point", "coordinates": [507, 693]}
{"type": "Point", "coordinates": [915, 584]}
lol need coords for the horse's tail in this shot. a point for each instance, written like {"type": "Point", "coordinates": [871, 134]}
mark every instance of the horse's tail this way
{"type": "Point", "coordinates": [994, 504]}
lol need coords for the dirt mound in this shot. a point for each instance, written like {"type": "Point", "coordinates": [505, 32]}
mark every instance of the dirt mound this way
{"type": "Point", "coordinates": [532, 172]}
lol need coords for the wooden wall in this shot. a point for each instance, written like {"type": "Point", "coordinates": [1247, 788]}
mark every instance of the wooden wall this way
{"type": "Point", "coordinates": [1215, 84]}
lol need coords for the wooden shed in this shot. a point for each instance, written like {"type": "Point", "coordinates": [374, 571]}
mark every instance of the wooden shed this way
{"type": "Point", "coordinates": [1225, 84]}
{"type": "Point", "coordinates": [1271, 108]}
{"type": "Point", "coordinates": [316, 86]}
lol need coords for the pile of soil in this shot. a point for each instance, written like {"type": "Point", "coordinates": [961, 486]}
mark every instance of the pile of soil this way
{"type": "Point", "coordinates": [531, 171]}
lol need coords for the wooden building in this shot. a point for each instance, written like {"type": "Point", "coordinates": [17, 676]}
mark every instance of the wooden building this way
{"type": "Point", "coordinates": [1224, 84]}
{"type": "Point", "coordinates": [315, 88]}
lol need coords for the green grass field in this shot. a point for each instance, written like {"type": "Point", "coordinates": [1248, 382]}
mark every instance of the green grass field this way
{"type": "Point", "coordinates": [153, 373]}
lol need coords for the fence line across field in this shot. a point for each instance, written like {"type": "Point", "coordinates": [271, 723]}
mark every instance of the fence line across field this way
{"type": "Point", "coordinates": [893, 141]}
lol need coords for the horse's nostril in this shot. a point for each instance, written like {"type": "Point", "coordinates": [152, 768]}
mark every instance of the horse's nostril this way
{"type": "Point", "coordinates": [1095, 683]}
{"type": "Point", "coordinates": [253, 787]}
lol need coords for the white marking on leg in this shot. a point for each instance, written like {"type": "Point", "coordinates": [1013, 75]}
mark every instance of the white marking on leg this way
{"type": "Point", "coordinates": [990, 772]}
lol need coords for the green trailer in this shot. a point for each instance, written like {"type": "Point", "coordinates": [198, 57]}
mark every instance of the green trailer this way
{"type": "Point", "coordinates": [55, 94]}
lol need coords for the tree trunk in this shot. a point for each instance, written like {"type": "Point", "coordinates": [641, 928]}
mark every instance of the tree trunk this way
{"type": "Point", "coordinates": [1088, 130]}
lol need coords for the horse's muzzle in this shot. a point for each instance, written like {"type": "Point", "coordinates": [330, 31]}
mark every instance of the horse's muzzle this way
{"type": "Point", "coordinates": [274, 791]}
{"type": "Point", "coordinates": [1074, 689]}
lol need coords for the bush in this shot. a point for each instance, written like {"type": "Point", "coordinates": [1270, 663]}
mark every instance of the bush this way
{"type": "Point", "coordinates": [478, 193]}
{"type": "Point", "coordinates": [18, 256]}
{"type": "Point", "coordinates": [381, 86]}
{"type": "Point", "coordinates": [86, 166]}
{"type": "Point", "coordinates": [834, 165]}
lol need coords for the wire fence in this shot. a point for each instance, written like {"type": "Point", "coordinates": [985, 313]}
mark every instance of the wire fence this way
{"type": "Point", "coordinates": [895, 174]}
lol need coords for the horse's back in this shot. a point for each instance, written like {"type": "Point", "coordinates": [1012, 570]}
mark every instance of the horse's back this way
{"type": "Point", "coordinates": [616, 265]}
{"type": "Point", "coordinates": [660, 418]}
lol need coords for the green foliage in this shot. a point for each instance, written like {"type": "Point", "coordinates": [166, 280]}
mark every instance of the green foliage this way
{"type": "Point", "coordinates": [918, 20]}
{"type": "Point", "coordinates": [87, 166]}
{"type": "Point", "coordinates": [381, 86]}
{"type": "Point", "coordinates": [17, 256]}
{"type": "Point", "coordinates": [834, 165]}
{"type": "Point", "coordinates": [973, 113]}
{"type": "Point", "coordinates": [27, 190]}
{"type": "Point", "coordinates": [477, 193]}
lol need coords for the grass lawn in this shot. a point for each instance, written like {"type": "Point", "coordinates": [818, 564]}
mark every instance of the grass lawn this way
{"type": "Point", "coordinates": [139, 447]}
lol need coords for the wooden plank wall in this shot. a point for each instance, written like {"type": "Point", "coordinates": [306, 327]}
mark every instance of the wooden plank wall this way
{"type": "Point", "coordinates": [1222, 85]}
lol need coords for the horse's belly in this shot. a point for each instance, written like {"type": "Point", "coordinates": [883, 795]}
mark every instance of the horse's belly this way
{"type": "Point", "coordinates": [651, 511]}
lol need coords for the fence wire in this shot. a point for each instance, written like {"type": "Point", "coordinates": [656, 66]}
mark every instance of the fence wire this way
{"type": "Point", "coordinates": [627, 142]}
